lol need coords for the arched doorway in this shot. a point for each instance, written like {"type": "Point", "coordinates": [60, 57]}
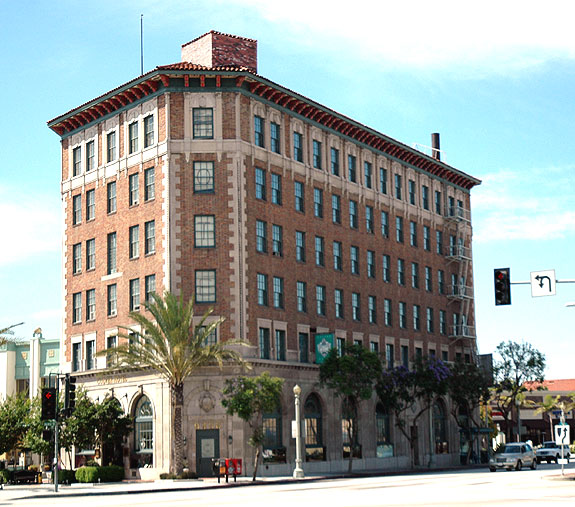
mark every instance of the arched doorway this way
{"type": "Point", "coordinates": [440, 428]}
{"type": "Point", "coordinates": [314, 448]}
{"type": "Point", "coordinates": [143, 433]}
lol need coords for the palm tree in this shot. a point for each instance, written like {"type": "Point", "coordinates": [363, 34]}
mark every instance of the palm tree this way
{"type": "Point", "coordinates": [5, 331]}
{"type": "Point", "coordinates": [173, 346]}
{"type": "Point", "coordinates": [549, 404]}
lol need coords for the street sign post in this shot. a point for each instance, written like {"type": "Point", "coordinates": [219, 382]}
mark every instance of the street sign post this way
{"type": "Point", "coordinates": [562, 438]}
{"type": "Point", "coordinates": [543, 283]}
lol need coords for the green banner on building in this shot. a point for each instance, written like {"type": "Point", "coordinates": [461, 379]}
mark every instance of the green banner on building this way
{"type": "Point", "coordinates": [323, 344]}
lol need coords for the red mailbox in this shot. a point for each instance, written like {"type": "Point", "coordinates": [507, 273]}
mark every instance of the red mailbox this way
{"type": "Point", "coordinates": [234, 466]}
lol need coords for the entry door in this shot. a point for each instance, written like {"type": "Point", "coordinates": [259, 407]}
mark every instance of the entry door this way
{"type": "Point", "coordinates": [207, 448]}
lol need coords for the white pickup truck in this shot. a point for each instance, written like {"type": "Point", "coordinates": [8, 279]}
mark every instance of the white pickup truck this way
{"type": "Point", "coordinates": [551, 452]}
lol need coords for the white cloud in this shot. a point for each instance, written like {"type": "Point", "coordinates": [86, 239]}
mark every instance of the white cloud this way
{"type": "Point", "coordinates": [30, 226]}
{"type": "Point", "coordinates": [465, 38]}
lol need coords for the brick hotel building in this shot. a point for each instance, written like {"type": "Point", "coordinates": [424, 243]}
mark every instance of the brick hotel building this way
{"type": "Point", "coordinates": [290, 220]}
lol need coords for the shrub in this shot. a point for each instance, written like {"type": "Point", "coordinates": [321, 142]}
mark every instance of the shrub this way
{"type": "Point", "coordinates": [4, 476]}
{"type": "Point", "coordinates": [167, 476]}
{"type": "Point", "coordinates": [112, 473]}
{"type": "Point", "coordinates": [87, 474]}
{"type": "Point", "coordinates": [92, 463]}
{"type": "Point", "coordinates": [66, 476]}
{"type": "Point", "coordinates": [188, 475]}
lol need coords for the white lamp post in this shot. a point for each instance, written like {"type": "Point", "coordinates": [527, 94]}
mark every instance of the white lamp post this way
{"type": "Point", "coordinates": [298, 472]}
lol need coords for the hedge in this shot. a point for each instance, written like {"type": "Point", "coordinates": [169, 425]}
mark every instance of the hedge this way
{"type": "Point", "coordinates": [66, 476]}
{"type": "Point", "coordinates": [111, 473]}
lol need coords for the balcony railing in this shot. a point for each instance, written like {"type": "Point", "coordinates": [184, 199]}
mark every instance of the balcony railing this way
{"type": "Point", "coordinates": [459, 253]}
{"type": "Point", "coordinates": [458, 213]}
{"type": "Point", "coordinates": [461, 331]}
{"type": "Point", "coordinates": [460, 292]}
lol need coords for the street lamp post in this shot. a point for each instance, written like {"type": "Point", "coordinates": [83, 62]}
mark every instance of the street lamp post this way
{"type": "Point", "coordinates": [298, 472]}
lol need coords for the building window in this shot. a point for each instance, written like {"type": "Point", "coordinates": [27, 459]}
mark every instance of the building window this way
{"type": "Point", "coordinates": [261, 236]}
{"type": "Point", "coordinates": [280, 345]}
{"type": "Point", "coordinates": [76, 356]}
{"type": "Point", "coordinates": [429, 319]}
{"type": "Point", "coordinates": [374, 347]}
{"type": "Point", "coordinates": [369, 219]}
{"type": "Point", "coordinates": [318, 202]}
{"type": "Point", "coordinates": [77, 161]}
{"type": "Point", "coordinates": [133, 137]}
{"type": "Point", "coordinates": [203, 177]}
{"type": "Point", "coordinates": [111, 197]}
{"type": "Point", "coordinates": [352, 168]}
{"type": "Point", "coordinates": [301, 292]}
{"type": "Point", "coordinates": [144, 431]}
{"type": "Point", "coordinates": [353, 221]}
{"type": "Point", "coordinates": [372, 309]}
{"type": "Point", "coordinates": [272, 434]}
{"type": "Point", "coordinates": [260, 184]}
{"type": "Point", "coordinates": [383, 180]}
{"type": "Point", "coordinates": [383, 435]}
{"type": "Point", "coordinates": [402, 315]}
{"type": "Point", "coordinates": [149, 286]}
{"type": "Point", "coordinates": [441, 281]}
{"type": "Point", "coordinates": [440, 428]}
{"type": "Point", "coordinates": [387, 320]}
{"type": "Point", "coordinates": [355, 306]}
{"type": "Point", "coordinates": [426, 238]}
{"type": "Point", "coordinates": [416, 317]}
{"type": "Point", "coordinates": [389, 355]}
{"type": "Point", "coordinates": [438, 202]}
{"type": "Point", "coordinates": [400, 271]}
{"type": "Point", "coordinates": [439, 242]}
{"type": "Point", "coordinates": [298, 146]}
{"type": "Point", "coordinates": [204, 231]}
{"type": "Point", "coordinates": [276, 189]}
{"type": "Point", "coordinates": [262, 281]}
{"type": "Point", "coordinates": [425, 197]}
{"type": "Point", "coordinates": [412, 233]}
{"type": "Point", "coordinates": [76, 258]}
{"type": "Point", "coordinates": [385, 224]}
{"type": "Point", "coordinates": [300, 246]}
{"type": "Point", "coordinates": [317, 155]}
{"type": "Point", "coordinates": [211, 338]}
{"type": "Point", "coordinates": [428, 279]}
{"type": "Point", "coordinates": [386, 268]}
{"type": "Point", "coordinates": [111, 146]}
{"type": "Point", "coordinates": [90, 354]}
{"type": "Point", "coordinates": [338, 300]}
{"type": "Point", "coordinates": [149, 184]}
{"type": "Point", "coordinates": [399, 229]}
{"type": "Point", "coordinates": [336, 209]}
{"type": "Point", "coordinates": [337, 256]}
{"type": "Point", "coordinates": [398, 186]}
{"type": "Point", "coordinates": [77, 209]}
{"type": "Point", "coordinates": [368, 174]}
{"type": "Point", "coordinates": [442, 322]}
{"type": "Point", "coordinates": [203, 120]}
{"type": "Point", "coordinates": [334, 161]}
{"type": "Point", "coordinates": [275, 137]}
{"type": "Point", "coordinates": [205, 286]}
{"type": "Point", "coordinates": [76, 307]}
{"type": "Point", "coordinates": [303, 347]}
{"type": "Point", "coordinates": [259, 138]}
{"type": "Point", "coordinates": [150, 237]}
{"type": "Point", "coordinates": [90, 254]}
{"type": "Point", "coordinates": [313, 429]}
{"type": "Point", "coordinates": [405, 356]}
{"type": "Point", "coordinates": [451, 206]}
{"type": "Point", "coordinates": [90, 304]}
{"type": "Point", "coordinates": [112, 300]}
{"type": "Point", "coordinates": [411, 190]}
{"type": "Point", "coordinates": [320, 299]}
{"type": "Point", "coordinates": [134, 189]}
{"type": "Point", "coordinates": [319, 251]}
{"type": "Point", "coordinates": [371, 264]}
{"type": "Point", "coordinates": [148, 131]}
{"type": "Point", "coordinates": [112, 245]}
{"type": "Point", "coordinates": [277, 240]}
{"type": "Point", "coordinates": [299, 196]}
{"type": "Point", "coordinates": [415, 275]}
{"type": "Point", "coordinates": [134, 239]}
{"type": "Point", "coordinates": [278, 288]}
{"type": "Point", "coordinates": [354, 259]}
{"type": "Point", "coordinates": [134, 294]}
{"type": "Point", "coordinates": [90, 165]}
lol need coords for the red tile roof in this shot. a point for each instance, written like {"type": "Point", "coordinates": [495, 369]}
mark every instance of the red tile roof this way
{"type": "Point", "coordinates": [553, 385]}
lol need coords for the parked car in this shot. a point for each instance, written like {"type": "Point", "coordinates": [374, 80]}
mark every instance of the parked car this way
{"type": "Point", "coordinates": [552, 452]}
{"type": "Point", "coordinates": [513, 456]}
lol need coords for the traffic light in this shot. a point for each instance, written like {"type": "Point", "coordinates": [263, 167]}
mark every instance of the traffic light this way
{"type": "Point", "coordinates": [70, 394]}
{"type": "Point", "coordinates": [47, 435]}
{"type": "Point", "coordinates": [502, 278]}
{"type": "Point", "coordinates": [49, 402]}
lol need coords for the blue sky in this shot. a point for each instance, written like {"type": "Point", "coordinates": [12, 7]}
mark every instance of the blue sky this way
{"type": "Point", "coordinates": [496, 79]}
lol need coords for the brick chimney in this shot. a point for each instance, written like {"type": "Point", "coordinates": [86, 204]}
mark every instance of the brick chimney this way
{"type": "Point", "coordinates": [214, 49]}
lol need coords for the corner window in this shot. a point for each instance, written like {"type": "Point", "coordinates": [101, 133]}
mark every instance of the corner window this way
{"type": "Point", "coordinates": [260, 184]}
{"type": "Point", "coordinates": [149, 184]}
{"type": "Point", "coordinates": [76, 209]}
{"type": "Point", "coordinates": [259, 138]}
{"type": "Point", "coordinates": [352, 168]}
{"type": "Point", "coordinates": [111, 146]}
{"type": "Point", "coordinates": [133, 137]}
{"type": "Point", "coordinates": [133, 189]}
{"type": "Point", "coordinates": [150, 237]}
{"type": "Point", "coordinates": [275, 137]}
{"type": "Point", "coordinates": [334, 161]}
{"type": "Point", "coordinates": [90, 162]}
{"type": "Point", "coordinates": [90, 205]}
{"type": "Point", "coordinates": [148, 131]}
{"type": "Point", "coordinates": [317, 163]}
{"type": "Point", "coordinates": [298, 146]}
{"type": "Point", "coordinates": [77, 161]}
{"type": "Point", "coordinates": [203, 123]}
{"type": "Point", "coordinates": [134, 295]}
{"type": "Point", "coordinates": [111, 196]}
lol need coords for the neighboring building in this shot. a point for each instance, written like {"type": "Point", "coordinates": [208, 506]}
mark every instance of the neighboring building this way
{"type": "Point", "coordinates": [26, 365]}
{"type": "Point", "coordinates": [289, 219]}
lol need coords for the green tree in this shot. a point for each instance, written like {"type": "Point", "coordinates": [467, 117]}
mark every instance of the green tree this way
{"type": "Point", "coordinates": [518, 363]}
{"type": "Point", "coordinates": [468, 387]}
{"type": "Point", "coordinates": [410, 393]}
{"type": "Point", "coordinates": [111, 426]}
{"type": "Point", "coordinates": [352, 376]}
{"type": "Point", "coordinates": [250, 398]}
{"type": "Point", "coordinates": [14, 421]}
{"type": "Point", "coordinates": [174, 347]}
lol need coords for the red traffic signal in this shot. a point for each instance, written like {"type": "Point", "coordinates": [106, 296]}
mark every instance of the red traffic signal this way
{"type": "Point", "coordinates": [502, 278]}
{"type": "Point", "coordinates": [49, 403]}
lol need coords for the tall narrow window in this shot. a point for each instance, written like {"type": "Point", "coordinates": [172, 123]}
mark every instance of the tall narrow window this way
{"type": "Point", "coordinates": [203, 123]}
{"type": "Point", "coordinates": [439, 242]}
{"type": "Point", "coordinates": [299, 196]}
{"type": "Point", "coordinates": [303, 347]}
{"type": "Point", "coordinates": [203, 177]}
{"type": "Point", "coordinates": [429, 319]}
{"type": "Point", "coordinates": [334, 161]}
{"type": "Point", "coordinates": [368, 174]}
{"type": "Point", "coordinates": [355, 306]}
{"type": "Point", "coordinates": [372, 309]}
{"type": "Point", "coordinates": [442, 322]}
{"type": "Point", "coordinates": [301, 294]}
{"type": "Point", "coordinates": [90, 162]}
{"type": "Point", "coordinates": [204, 231]}
{"type": "Point", "coordinates": [111, 194]}
{"type": "Point", "coordinates": [275, 137]}
{"type": "Point", "coordinates": [77, 209]}
{"type": "Point", "coordinates": [276, 189]}
{"type": "Point", "coordinates": [150, 237]}
{"type": "Point", "coordinates": [278, 288]}
{"type": "Point", "coordinates": [76, 307]}
{"type": "Point", "coordinates": [318, 202]}
{"type": "Point", "coordinates": [134, 294]}
{"type": "Point", "coordinates": [261, 236]}
{"type": "Point", "coordinates": [149, 286]}
{"type": "Point", "coordinates": [353, 220]}
{"type": "Point", "coordinates": [148, 131]}
{"type": "Point", "coordinates": [111, 146]}
{"type": "Point", "coordinates": [352, 168]}
{"type": "Point", "coordinates": [112, 245]}
{"type": "Point", "coordinates": [90, 354]}
{"type": "Point", "coordinates": [428, 279]}
{"type": "Point", "coordinates": [441, 281]}
{"type": "Point", "coordinates": [134, 238]}
{"type": "Point", "coordinates": [320, 299]}
{"type": "Point", "coordinates": [90, 204]}
{"type": "Point", "coordinates": [438, 202]}
{"type": "Point", "coordinates": [298, 146]}
{"type": "Point", "coordinates": [77, 258]}
{"type": "Point", "coordinates": [262, 281]}
{"type": "Point", "coordinates": [112, 300]}
{"type": "Point", "coordinates": [425, 197]}
{"type": "Point", "coordinates": [413, 233]}
{"type": "Point", "coordinates": [390, 355]}
{"type": "Point", "coordinates": [336, 209]}
{"type": "Point", "coordinates": [371, 264]}
{"type": "Point", "coordinates": [398, 186]}
{"type": "Point", "coordinates": [337, 256]}
{"type": "Point", "coordinates": [400, 271]}
{"type": "Point", "coordinates": [149, 184]}
{"type": "Point", "coordinates": [387, 316]}
{"type": "Point", "coordinates": [76, 356]}
{"type": "Point", "coordinates": [427, 238]}
{"type": "Point", "coordinates": [77, 161]}
{"type": "Point", "coordinates": [386, 267]}
{"type": "Point", "coordinates": [383, 180]}
{"type": "Point", "coordinates": [385, 224]}
{"type": "Point", "coordinates": [280, 345]}
{"type": "Point", "coordinates": [338, 301]}
{"type": "Point", "coordinates": [205, 289]}
{"type": "Point", "coordinates": [133, 137]}
{"type": "Point", "coordinates": [354, 259]}
{"type": "Point", "coordinates": [411, 190]}
{"type": "Point", "coordinates": [265, 347]}
{"type": "Point", "coordinates": [317, 163]}
{"type": "Point", "coordinates": [90, 304]}
{"type": "Point", "coordinates": [90, 254]}
{"type": "Point", "coordinates": [300, 246]}
{"type": "Point", "coordinates": [369, 219]}
{"type": "Point", "coordinates": [416, 317]}
{"type": "Point", "coordinates": [260, 184]}
{"type": "Point", "coordinates": [402, 315]}
{"type": "Point", "coordinates": [399, 229]}
{"type": "Point", "coordinates": [277, 240]}
{"type": "Point", "coordinates": [259, 136]}
{"type": "Point", "coordinates": [134, 189]}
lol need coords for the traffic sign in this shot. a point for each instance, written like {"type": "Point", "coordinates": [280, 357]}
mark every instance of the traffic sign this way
{"type": "Point", "coordinates": [562, 436]}
{"type": "Point", "coordinates": [543, 283]}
